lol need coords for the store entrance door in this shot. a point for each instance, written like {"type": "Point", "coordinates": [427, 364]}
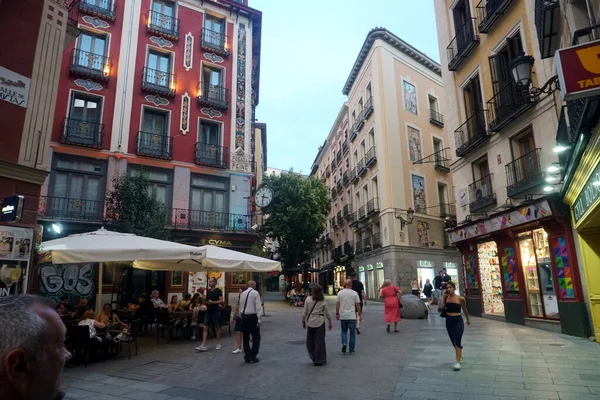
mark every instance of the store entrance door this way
{"type": "Point", "coordinates": [491, 280]}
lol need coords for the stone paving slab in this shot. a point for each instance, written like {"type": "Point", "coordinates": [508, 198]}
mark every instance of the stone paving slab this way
{"type": "Point", "coordinates": [502, 362]}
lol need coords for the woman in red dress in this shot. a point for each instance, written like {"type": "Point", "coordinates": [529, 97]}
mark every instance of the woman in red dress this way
{"type": "Point", "coordinates": [392, 295]}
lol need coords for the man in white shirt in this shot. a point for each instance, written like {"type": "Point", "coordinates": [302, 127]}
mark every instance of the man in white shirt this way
{"type": "Point", "coordinates": [251, 312]}
{"type": "Point", "coordinates": [346, 310]}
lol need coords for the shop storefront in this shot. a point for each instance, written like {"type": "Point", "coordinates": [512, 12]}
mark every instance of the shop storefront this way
{"type": "Point", "coordinates": [521, 265]}
{"type": "Point", "coordinates": [426, 269]}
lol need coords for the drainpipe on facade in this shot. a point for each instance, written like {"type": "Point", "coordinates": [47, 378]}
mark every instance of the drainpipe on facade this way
{"type": "Point", "coordinates": [124, 97]}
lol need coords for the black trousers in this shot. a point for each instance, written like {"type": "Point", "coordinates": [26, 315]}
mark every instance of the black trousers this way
{"type": "Point", "coordinates": [315, 344]}
{"type": "Point", "coordinates": [250, 328]}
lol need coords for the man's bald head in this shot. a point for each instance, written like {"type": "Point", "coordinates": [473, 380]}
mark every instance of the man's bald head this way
{"type": "Point", "coordinates": [348, 284]}
{"type": "Point", "coordinates": [252, 284]}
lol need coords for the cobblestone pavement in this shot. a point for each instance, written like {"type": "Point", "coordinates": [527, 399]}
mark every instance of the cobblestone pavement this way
{"type": "Point", "coordinates": [502, 361]}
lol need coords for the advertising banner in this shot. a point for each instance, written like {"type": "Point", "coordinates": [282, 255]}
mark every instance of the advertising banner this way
{"type": "Point", "coordinates": [15, 255]}
{"type": "Point", "coordinates": [578, 70]}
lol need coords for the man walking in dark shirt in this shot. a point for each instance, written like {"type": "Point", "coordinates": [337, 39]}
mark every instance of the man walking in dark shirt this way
{"type": "Point", "coordinates": [359, 288]}
{"type": "Point", "coordinates": [437, 285]}
{"type": "Point", "coordinates": [214, 301]}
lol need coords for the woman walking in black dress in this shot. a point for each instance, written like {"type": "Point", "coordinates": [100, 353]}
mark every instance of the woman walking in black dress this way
{"type": "Point", "coordinates": [313, 320]}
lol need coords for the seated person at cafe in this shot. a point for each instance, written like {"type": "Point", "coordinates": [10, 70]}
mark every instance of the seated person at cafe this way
{"type": "Point", "coordinates": [194, 301]}
{"type": "Point", "coordinates": [144, 308]}
{"type": "Point", "coordinates": [81, 308]}
{"type": "Point", "coordinates": [295, 298]}
{"type": "Point", "coordinates": [63, 308]}
{"type": "Point", "coordinates": [174, 303]}
{"type": "Point", "coordinates": [157, 301]}
{"type": "Point", "coordinates": [94, 325]}
{"type": "Point", "coordinates": [108, 317]}
{"type": "Point", "coordinates": [184, 305]}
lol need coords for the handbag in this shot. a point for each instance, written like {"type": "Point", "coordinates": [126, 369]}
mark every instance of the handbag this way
{"type": "Point", "coordinates": [443, 313]}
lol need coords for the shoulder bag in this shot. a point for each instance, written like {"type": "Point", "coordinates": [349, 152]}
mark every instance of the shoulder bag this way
{"type": "Point", "coordinates": [244, 312]}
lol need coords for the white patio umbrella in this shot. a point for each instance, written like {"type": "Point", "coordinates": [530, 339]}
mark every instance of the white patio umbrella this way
{"type": "Point", "coordinates": [217, 258]}
{"type": "Point", "coordinates": [105, 246]}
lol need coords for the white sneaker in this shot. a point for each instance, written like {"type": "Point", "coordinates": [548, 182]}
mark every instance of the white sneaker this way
{"type": "Point", "coordinates": [219, 346]}
{"type": "Point", "coordinates": [201, 348]}
{"type": "Point", "coordinates": [457, 367]}
{"type": "Point", "coordinates": [237, 351]}
{"type": "Point", "coordinates": [193, 338]}
{"type": "Point", "coordinates": [461, 360]}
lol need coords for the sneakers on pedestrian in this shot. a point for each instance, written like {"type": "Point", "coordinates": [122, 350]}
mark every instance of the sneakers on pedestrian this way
{"type": "Point", "coordinates": [219, 346]}
{"type": "Point", "coordinates": [201, 348]}
{"type": "Point", "coordinates": [237, 351]}
{"type": "Point", "coordinates": [456, 367]}
{"type": "Point", "coordinates": [343, 348]}
{"type": "Point", "coordinates": [461, 360]}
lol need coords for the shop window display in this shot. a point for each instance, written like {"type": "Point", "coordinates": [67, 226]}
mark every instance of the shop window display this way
{"type": "Point", "coordinates": [472, 275]}
{"type": "Point", "coordinates": [563, 267]}
{"type": "Point", "coordinates": [530, 272]}
{"type": "Point", "coordinates": [491, 281]}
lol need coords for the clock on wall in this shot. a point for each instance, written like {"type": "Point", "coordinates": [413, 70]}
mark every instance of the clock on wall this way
{"type": "Point", "coordinates": [263, 196]}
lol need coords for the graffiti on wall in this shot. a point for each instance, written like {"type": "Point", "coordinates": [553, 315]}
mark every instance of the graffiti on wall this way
{"type": "Point", "coordinates": [74, 281]}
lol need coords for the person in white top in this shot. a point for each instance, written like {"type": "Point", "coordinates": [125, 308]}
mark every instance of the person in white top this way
{"type": "Point", "coordinates": [347, 309]}
{"type": "Point", "coordinates": [251, 312]}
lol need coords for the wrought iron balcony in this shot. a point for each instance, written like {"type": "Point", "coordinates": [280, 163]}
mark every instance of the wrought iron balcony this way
{"type": "Point", "coordinates": [339, 186]}
{"type": "Point", "coordinates": [354, 175]}
{"type": "Point", "coordinates": [333, 221]}
{"type": "Point", "coordinates": [158, 82]}
{"type": "Point", "coordinates": [368, 108]}
{"type": "Point", "coordinates": [362, 212]}
{"type": "Point", "coordinates": [547, 22]}
{"type": "Point", "coordinates": [370, 157]}
{"type": "Point", "coordinates": [376, 240]}
{"type": "Point", "coordinates": [489, 12]}
{"type": "Point", "coordinates": [81, 133]}
{"type": "Point", "coordinates": [213, 96]}
{"type": "Point", "coordinates": [345, 147]}
{"type": "Point", "coordinates": [90, 65]}
{"type": "Point", "coordinates": [69, 209]}
{"type": "Point", "coordinates": [367, 244]}
{"type": "Point", "coordinates": [337, 253]}
{"type": "Point", "coordinates": [333, 163]}
{"type": "Point", "coordinates": [481, 194]}
{"type": "Point", "coordinates": [211, 155]}
{"type": "Point", "coordinates": [353, 133]}
{"type": "Point", "coordinates": [154, 145]}
{"type": "Point", "coordinates": [470, 134]}
{"type": "Point", "coordinates": [215, 42]}
{"type": "Point", "coordinates": [463, 43]}
{"type": "Point", "coordinates": [441, 161]}
{"type": "Point", "coordinates": [105, 9]}
{"type": "Point", "coordinates": [353, 219]}
{"type": "Point", "coordinates": [333, 192]}
{"type": "Point", "coordinates": [447, 211]}
{"type": "Point", "coordinates": [524, 174]}
{"type": "Point", "coordinates": [347, 211]}
{"type": "Point", "coordinates": [338, 158]}
{"type": "Point", "coordinates": [346, 177]}
{"type": "Point", "coordinates": [348, 248]}
{"type": "Point", "coordinates": [163, 25]}
{"type": "Point", "coordinates": [359, 247]}
{"type": "Point", "coordinates": [507, 105]}
{"type": "Point", "coordinates": [373, 206]}
{"type": "Point", "coordinates": [328, 172]}
{"type": "Point", "coordinates": [339, 217]}
{"type": "Point", "coordinates": [181, 218]}
{"type": "Point", "coordinates": [360, 167]}
{"type": "Point", "coordinates": [436, 118]}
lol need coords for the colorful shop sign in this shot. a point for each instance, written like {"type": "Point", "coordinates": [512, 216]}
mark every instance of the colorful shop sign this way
{"type": "Point", "coordinates": [588, 195]}
{"type": "Point", "coordinates": [579, 70]}
{"type": "Point", "coordinates": [15, 253]}
{"type": "Point", "coordinates": [379, 265]}
{"type": "Point", "coordinates": [369, 267]}
{"type": "Point", "coordinates": [521, 215]}
{"type": "Point", "coordinates": [361, 269]}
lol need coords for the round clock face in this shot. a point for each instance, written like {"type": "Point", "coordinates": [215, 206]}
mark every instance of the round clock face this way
{"type": "Point", "coordinates": [263, 196]}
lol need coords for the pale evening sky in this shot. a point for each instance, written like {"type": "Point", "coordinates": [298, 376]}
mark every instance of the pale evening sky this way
{"type": "Point", "coordinates": [308, 49]}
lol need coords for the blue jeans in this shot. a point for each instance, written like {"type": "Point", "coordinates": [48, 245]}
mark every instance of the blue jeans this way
{"type": "Point", "coordinates": [349, 324]}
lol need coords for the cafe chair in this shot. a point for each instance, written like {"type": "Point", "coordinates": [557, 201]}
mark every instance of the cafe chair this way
{"type": "Point", "coordinates": [78, 343]}
{"type": "Point", "coordinates": [225, 318]}
{"type": "Point", "coordinates": [135, 329]}
{"type": "Point", "coordinates": [164, 323]}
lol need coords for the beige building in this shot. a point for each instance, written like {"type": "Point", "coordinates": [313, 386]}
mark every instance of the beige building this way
{"type": "Point", "coordinates": [513, 231]}
{"type": "Point", "coordinates": [388, 169]}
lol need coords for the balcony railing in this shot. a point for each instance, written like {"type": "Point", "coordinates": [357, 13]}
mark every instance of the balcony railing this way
{"type": "Point", "coordinates": [345, 147]}
{"type": "Point", "coordinates": [69, 209]}
{"type": "Point", "coordinates": [82, 133]}
{"type": "Point", "coordinates": [359, 247]}
{"type": "Point", "coordinates": [215, 42]}
{"type": "Point", "coordinates": [181, 218]}
{"type": "Point", "coordinates": [463, 43]}
{"type": "Point", "coordinates": [105, 9]}
{"type": "Point", "coordinates": [368, 108]}
{"type": "Point", "coordinates": [154, 145]}
{"type": "Point", "coordinates": [373, 206]}
{"type": "Point", "coordinates": [353, 219]}
{"type": "Point", "coordinates": [333, 192]}
{"type": "Point", "coordinates": [360, 167]}
{"type": "Point", "coordinates": [328, 172]}
{"type": "Point", "coordinates": [346, 177]}
{"type": "Point", "coordinates": [90, 65]}
{"type": "Point", "coordinates": [213, 96]}
{"type": "Point", "coordinates": [447, 210]}
{"type": "Point", "coordinates": [337, 253]}
{"type": "Point", "coordinates": [489, 11]}
{"type": "Point", "coordinates": [158, 82]}
{"type": "Point", "coordinates": [441, 162]}
{"type": "Point", "coordinates": [524, 173]}
{"type": "Point", "coordinates": [211, 155]}
{"type": "Point", "coordinates": [339, 187]}
{"type": "Point", "coordinates": [353, 133]}
{"type": "Point", "coordinates": [163, 25]}
{"type": "Point", "coordinates": [348, 248]}
{"type": "Point", "coordinates": [370, 157]}
{"type": "Point", "coordinates": [507, 105]}
{"type": "Point", "coordinates": [470, 134]}
{"type": "Point", "coordinates": [436, 118]}
{"type": "Point", "coordinates": [347, 211]}
{"type": "Point", "coordinates": [338, 158]}
{"type": "Point", "coordinates": [333, 221]}
{"type": "Point", "coordinates": [339, 217]}
{"type": "Point", "coordinates": [367, 244]}
{"type": "Point", "coordinates": [333, 164]}
{"type": "Point", "coordinates": [376, 240]}
{"type": "Point", "coordinates": [354, 175]}
{"type": "Point", "coordinates": [361, 212]}
{"type": "Point", "coordinates": [481, 194]}
{"type": "Point", "coordinates": [547, 21]}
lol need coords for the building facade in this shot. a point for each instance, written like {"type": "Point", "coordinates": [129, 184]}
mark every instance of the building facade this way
{"type": "Point", "coordinates": [165, 87]}
{"type": "Point", "coordinates": [388, 169]}
{"type": "Point", "coordinates": [514, 233]}
{"type": "Point", "coordinates": [29, 69]}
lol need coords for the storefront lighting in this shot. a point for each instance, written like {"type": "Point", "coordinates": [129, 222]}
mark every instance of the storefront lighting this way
{"type": "Point", "coordinates": [553, 168]}
{"type": "Point", "coordinates": [559, 148]}
{"type": "Point", "coordinates": [57, 228]}
{"type": "Point", "coordinates": [551, 179]}
{"type": "Point", "coordinates": [596, 183]}
{"type": "Point", "coordinates": [548, 189]}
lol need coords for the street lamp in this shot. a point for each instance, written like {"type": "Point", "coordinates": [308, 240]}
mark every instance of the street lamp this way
{"type": "Point", "coordinates": [522, 69]}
